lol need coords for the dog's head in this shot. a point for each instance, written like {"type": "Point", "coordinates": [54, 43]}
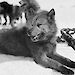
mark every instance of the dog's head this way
{"type": "Point", "coordinates": [42, 26]}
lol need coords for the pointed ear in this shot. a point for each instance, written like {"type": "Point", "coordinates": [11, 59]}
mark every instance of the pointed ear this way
{"type": "Point", "coordinates": [51, 14]}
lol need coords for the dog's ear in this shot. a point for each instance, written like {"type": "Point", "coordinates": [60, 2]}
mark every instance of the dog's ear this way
{"type": "Point", "coordinates": [51, 14]}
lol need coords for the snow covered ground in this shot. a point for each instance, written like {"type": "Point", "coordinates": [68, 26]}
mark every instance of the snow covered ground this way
{"type": "Point", "coordinates": [65, 17]}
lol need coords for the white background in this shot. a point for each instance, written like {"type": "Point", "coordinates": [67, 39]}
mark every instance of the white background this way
{"type": "Point", "coordinates": [65, 17]}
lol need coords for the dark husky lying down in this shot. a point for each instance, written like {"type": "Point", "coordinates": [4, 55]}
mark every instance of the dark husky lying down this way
{"type": "Point", "coordinates": [36, 40]}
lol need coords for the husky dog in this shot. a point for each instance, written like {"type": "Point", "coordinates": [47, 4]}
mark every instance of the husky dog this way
{"type": "Point", "coordinates": [37, 40]}
{"type": "Point", "coordinates": [9, 10]}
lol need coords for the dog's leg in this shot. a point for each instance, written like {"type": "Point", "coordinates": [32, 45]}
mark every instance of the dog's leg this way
{"type": "Point", "coordinates": [62, 60]}
{"type": "Point", "coordinates": [53, 64]}
{"type": "Point", "coordinates": [0, 20]}
{"type": "Point", "coordinates": [8, 21]}
{"type": "Point", "coordinates": [5, 19]}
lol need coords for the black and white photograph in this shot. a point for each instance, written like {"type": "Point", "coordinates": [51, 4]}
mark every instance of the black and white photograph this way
{"type": "Point", "coordinates": [37, 37]}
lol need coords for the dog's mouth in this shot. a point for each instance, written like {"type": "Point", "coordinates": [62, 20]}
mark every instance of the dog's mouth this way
{"type": "Point", "coordinates": [39, 37]}
{"type": "Point", "coordinates": [37, 34]}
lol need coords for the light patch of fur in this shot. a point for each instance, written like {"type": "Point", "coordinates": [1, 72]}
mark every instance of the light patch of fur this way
{"type": "Point", "coordinates": [2, 21]}
{"type": "Point", "coordinates": [21, 22]}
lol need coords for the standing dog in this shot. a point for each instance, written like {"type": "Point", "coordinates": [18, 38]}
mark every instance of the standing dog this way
{"type": "Point", "coordinates": [9, 10]}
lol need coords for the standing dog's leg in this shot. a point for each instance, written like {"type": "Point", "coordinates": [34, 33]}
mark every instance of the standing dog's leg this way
{"type": "Point", "coordinates": [8, 20]}
{"type": "Point", "coordinates": [5, 19]}
{"type": "Point", "coordinates": [0, 20]}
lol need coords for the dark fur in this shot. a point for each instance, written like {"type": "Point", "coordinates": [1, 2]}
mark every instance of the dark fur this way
{"type": "Point", "coordinates": [18, 43]}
